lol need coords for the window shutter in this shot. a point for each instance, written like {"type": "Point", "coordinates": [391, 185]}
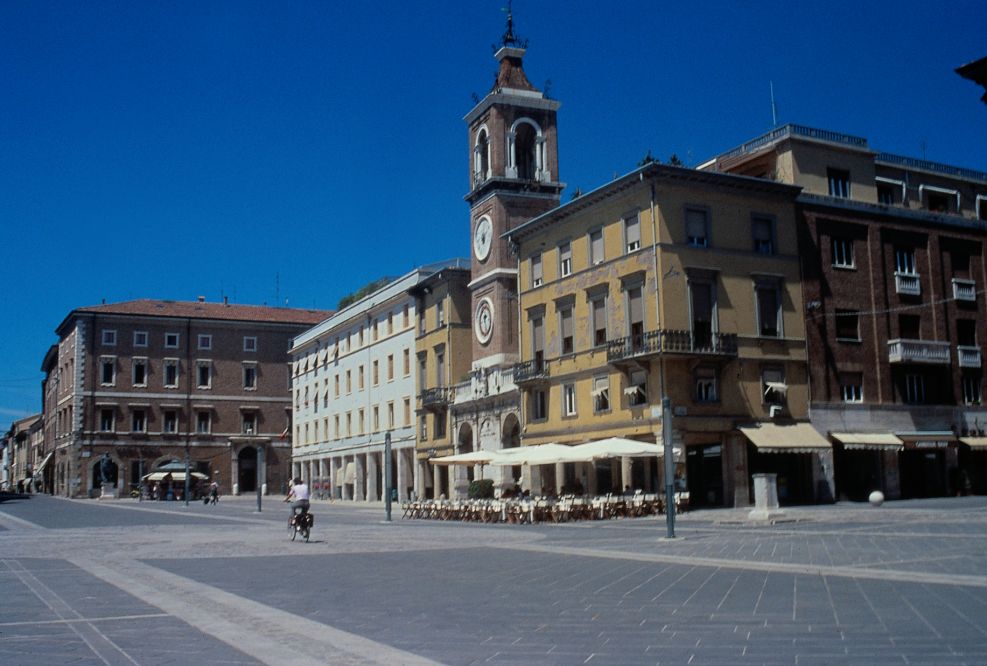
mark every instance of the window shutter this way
{"type": "Point", "coordinates": [695, 224]}
{"type": "Point", "coordinates": [635, 305]}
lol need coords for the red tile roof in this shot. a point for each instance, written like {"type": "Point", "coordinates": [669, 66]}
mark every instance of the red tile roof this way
{"type": "Point", "coordinates": [203, 310]}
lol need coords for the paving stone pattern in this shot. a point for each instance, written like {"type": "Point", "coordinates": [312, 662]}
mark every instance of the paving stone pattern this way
{"type": "Point", "coordinates": [158, 583]}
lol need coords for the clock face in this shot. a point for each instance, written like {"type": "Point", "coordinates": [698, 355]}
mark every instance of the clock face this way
{"type": "Point", "coordinates": [483, 321]}
{"type": "Point", "coordinates": [482, 237]}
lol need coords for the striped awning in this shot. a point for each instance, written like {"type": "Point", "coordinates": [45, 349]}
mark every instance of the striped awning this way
{"type": "Point", "coordinates": [975, 442]}
{"type": "Point", "coordinates": [873, 441]}
{"type": "Point", "coordinates": [794, 438]}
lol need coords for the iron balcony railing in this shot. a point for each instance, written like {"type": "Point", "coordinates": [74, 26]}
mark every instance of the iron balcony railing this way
{"type": "Point", "coordinates": [435, 397]}
{"type": "Point", "coordinates": [530, 371]}
{"type": "Point", "coordinates": [918, 351]}
{"type": "Point", "coordinates": [653, 343]}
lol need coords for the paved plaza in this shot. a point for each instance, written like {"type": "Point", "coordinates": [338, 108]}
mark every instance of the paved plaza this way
{"type": "Point", "coordinates": [123, 582]}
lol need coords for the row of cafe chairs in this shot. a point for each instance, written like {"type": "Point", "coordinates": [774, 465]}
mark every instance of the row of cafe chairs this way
{"type": "Point", "coordinates": [524, 510]}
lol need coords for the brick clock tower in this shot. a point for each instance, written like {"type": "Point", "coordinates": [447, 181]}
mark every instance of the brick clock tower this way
{"type": "Point", "coordinates": [513, 178]}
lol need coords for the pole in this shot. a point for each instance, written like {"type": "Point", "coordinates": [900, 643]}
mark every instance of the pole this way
{"type": "Point", "coordinates": [666, 436]}
{"type": "Point", "coordinates": [387, 476]}
{"type": "Point", "coordinates": [260, 477]}
{"type": "Point", "coordinates": [186, 473]}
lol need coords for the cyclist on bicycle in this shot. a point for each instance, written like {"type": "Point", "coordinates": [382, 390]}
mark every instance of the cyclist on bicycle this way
{"type": "Point", "coordinates": [299, 490]}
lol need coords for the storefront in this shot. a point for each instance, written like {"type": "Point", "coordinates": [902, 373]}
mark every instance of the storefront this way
{"type": "Point", "coordinates": [972, 455]}
{"type": "Point", "coordinates": [801, 458]}
{"type": "Point", "coordinates": [925, 463]}
{"type": "Point", "coordinates": [865, 462]}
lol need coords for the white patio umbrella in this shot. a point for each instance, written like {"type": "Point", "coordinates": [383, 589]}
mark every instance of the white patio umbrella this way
{"type": "Point", "coordinates": [541, 454]}
{"type": "Point", "coordinates": [618, 447]}
{"type": "Point", "coordinates": [467, 459]}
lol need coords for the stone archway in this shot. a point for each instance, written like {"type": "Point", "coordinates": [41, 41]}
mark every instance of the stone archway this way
{"type": "Point", "coordinates": [103, 470]}
{"type": "Point", "coordinates": [510, 437]}
{"type": "Point", "coordinates": [464, 444]}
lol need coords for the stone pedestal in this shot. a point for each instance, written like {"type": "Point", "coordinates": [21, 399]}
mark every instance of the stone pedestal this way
{"type": "Point", "coordinates": [108, 491]}
{"type": "Point", "coordinates": [765, 498]}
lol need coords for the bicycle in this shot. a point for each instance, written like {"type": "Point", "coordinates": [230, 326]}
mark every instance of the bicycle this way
{"type": "Point", "coordinates": [300, 524]}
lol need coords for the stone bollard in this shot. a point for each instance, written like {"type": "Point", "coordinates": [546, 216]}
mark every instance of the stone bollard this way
{"type": "Point", "coordinates": [876, 498]}
{"type": "Point", "coordinates": [765, 498]}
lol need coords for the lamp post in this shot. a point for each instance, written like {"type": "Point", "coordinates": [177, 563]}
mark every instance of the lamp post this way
{"type": "Point", "coordinates": [387, 476]}
{"type": "Point", "coordinates": [666, 436]}
{"type": "Point", "coordinates": [260, 477]}
{"type": "Point", "coordinates": [185, 494]}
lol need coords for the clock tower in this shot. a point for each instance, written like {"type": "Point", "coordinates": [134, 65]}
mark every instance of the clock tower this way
{"type": "Point", "coordinates": [513, 172]}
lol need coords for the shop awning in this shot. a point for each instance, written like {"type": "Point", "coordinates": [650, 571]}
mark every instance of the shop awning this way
{"type": "Point", "coordinates": [41, 467]}
{"type": "Point", "coordinates": [975, 442]}
{"type": "Point", "coordinates": [930, 439]}
{"type": "Point", "coordinates": [350, 473]}
{"type": "Point", "coordinates": [175, 476]}
{"type": "Point", "coordinates": [874, 441]}
{"type": "Point", "coordinates": [795, 438]}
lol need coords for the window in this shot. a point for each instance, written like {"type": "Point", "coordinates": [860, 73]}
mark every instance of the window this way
{"type": "Point", "coordinates": [171, 340]}
{"type": "Point", "coordinates": [914, 389]}
{"type": "Point", "coordinates": [762, 232]}
{"type": "Point", "coordinates": [568, 400]}
{"type": "Point", "coordinates": [966, 332]}
{"type": "Point", "coordinates": [423, 427]}
{"type": "Point", "coordinates": [250, 377]}
{"type": "Point", "coordinates": [406, 315]}
{"type": "Point", "coordinates": [440, 424]}
{"type": "Point", "coordinates": [440, 312]}
{"type": "Point", "coordinates": [359, 336]}
{"type": "Point", "coordinates": [374, 326]}
{"type": "Point", "coordinates": [205, 342]}
{"type": "Point", "coordinates": [106, 419]}
{"type": "Point", "coordinates": [422, 370]}
{"type": "Point", "coordinates": [632, 233]}
{"type": "Point", "coordinates": [203, 374]}
{"type": "Point", "coordinates": [335, 426]}
{"type": "Point", "coordinates": [421, 322]}
{"type": "Point", "coordinates": [407, 362]}
{"type": "Point", "coordinates": [697, 227]}
{"type": "Point", "coordinates": [203, 422]}
{"type": "Point", "coordinates": [637, 388]}
{"type": "Point", "coordinates": [407, 411]}
{"type": "Point", "coordinates": [768, 296]}
{"type": "Point", "coordinates": [971, 388]}
{"type": "Point", "coordinates": [349, 383]}
{"type": "Point", "coordinates": [773, 387]}
{"type": "Point", "coordinates": [538, 341]}
{"type": "Point", "coordinates": [359, 378]}
{"type": "Point", "coordinates": [702, 300]}
{"type": "Point", "coordinates": [140, 338]}
{"type": "Point", "coordinates": [349, 424]}
{"type": "Point", "coordinates": [390, 415]}
{"type": "Point", "coordinates": [937, 202]}
{"type": "Point", "coordinates": [170, 422]}
{"type": "Point", "coordinates": [539, 405]}
{"type": "Point", "coordinates": [360, 422]}
{"type": "Point", "coordinates": [598, 307]}
{"type": "Point", "coordinates": [885, 195]}
{"type": "Point", "coordinates": [904, 260]}
{"type": "Point", "coordinates": [839, 183]}
{"type": "Point", "coordinates": [706, 385]}
{"type": "Point", "coordinates": [248, 422]}
{"type": "Point", "coordinates": [910, 327]}
{"type": "Point", "coordinates": [635, 316]}
{"type": "Point", "coordinates": [390, 367]}
{"type": "Point", "coordinates": [138, 421]}
{"type": "Point", "coordinates": [390, 323]}
{"type": "Point", "coordinates": [565, 259]}
{"type": "Point", "coordinates": [565, 329]}
{"type": "Point", "coordinates": [336, 385]}
{"type": "Point", "coordinates": [847, 325]}
{"type": "Point", "coordinates": [375, 372]}
{"type": "Point", "coordinates": [171, 373]}
{"type": "Point", "coordinates": [601, 394]}
{"type": "Point", "coordinates": [107, 370]}
{"type": "Point", "coordinates": [596, 247]}
{"type": "Point", "coordinates": [843, 253]}
{"type": "Point", "coordinates": [536, 274]}
{"type": "Point", "coordinates": [440, 368]}
{"type": "Point", "coordinates": [109, 338]}
{"type": "Point", "coordinates": [249, 343]}
{"type": "Point", "coordinates": [852, 387]}
{"type": "Point", "coordinates": [140, 371]}
{"type": "Point", "coordinates": [376, 418]}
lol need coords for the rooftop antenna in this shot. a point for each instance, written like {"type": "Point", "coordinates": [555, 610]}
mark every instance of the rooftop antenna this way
{"type": "Point", "coordinates": [277, 289]}
{"type": "Point", "coordinates": [774, 108]}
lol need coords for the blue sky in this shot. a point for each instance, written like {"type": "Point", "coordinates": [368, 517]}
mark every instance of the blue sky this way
{"type": "Point", "coordinates": [295, 151]}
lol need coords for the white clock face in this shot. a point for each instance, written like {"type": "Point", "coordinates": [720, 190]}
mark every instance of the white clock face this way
{"type": "Point", "coordinates": [483, 321]}
{"type": "Point", "coordinates": [482, 237]}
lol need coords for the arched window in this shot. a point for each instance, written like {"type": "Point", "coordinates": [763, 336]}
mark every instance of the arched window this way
{"type": "Point", "coordinates": [481, 157]}
{"type": "Point", "coordinates": [527, 151]}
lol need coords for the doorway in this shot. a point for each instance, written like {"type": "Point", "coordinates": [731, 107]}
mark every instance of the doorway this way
{"type": "Point", "coordinates": [246, 469]}
{"type": "Point", "coordinates": [704, 474]}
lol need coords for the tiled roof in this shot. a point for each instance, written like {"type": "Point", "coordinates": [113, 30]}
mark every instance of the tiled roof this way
{"type": "Point", "coordinates": [204, 310]}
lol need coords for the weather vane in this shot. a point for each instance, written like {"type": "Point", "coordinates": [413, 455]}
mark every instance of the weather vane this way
{"type": "Point", "coordinates": [510, 39]}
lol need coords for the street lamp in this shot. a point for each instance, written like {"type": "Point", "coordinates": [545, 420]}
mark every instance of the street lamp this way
{"type": "Point", "coordinates": [387, 476]}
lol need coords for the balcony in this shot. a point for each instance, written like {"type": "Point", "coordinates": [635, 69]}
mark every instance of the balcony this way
{"type": "Point", "coordinates": [435, 398]}
{"type": "Point", "coordinates": [964, 290]}
{"type": "Point", "coordinates": [530, 372]}
{"type": "Point", "coordinates": [907, 283]}
{"type": "Point", "coordinates": [968, 356]}
{"type": "Point", "coordinates": [654, 343]}
{"type": "Point", "coordinates": [918, 351]}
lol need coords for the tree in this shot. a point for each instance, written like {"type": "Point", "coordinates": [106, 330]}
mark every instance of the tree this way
{"type": "Point", "coordinates": [350, 299]}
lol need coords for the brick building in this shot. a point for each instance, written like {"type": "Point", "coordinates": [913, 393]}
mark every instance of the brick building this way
{"type": "Point", "coordinates": [894, 275]}
{"type": "Point", "coordinates": [147, 382]}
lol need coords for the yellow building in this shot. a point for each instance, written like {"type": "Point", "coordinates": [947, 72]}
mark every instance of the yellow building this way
{"type": "Point", "coordinates": [442, 357]}
{"type": "Point", "coordinates": [679, 283]}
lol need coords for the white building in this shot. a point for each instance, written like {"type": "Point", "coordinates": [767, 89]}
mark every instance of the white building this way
{"type": "Point", "coordinates": [353, 382]}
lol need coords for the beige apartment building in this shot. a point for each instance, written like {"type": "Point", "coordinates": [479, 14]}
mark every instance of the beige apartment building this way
{"type": "Point", "coordinates": [669, 282]}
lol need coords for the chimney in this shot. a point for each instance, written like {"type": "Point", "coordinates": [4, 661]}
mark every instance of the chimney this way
{"type": "Point", "coordinates": [201, 299]}
{"type": "Point", "coordinates": [226, 300]}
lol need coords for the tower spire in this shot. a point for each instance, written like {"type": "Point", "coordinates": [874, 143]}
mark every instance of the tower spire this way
{"type": "Point", "coordinates": [509, 39]}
